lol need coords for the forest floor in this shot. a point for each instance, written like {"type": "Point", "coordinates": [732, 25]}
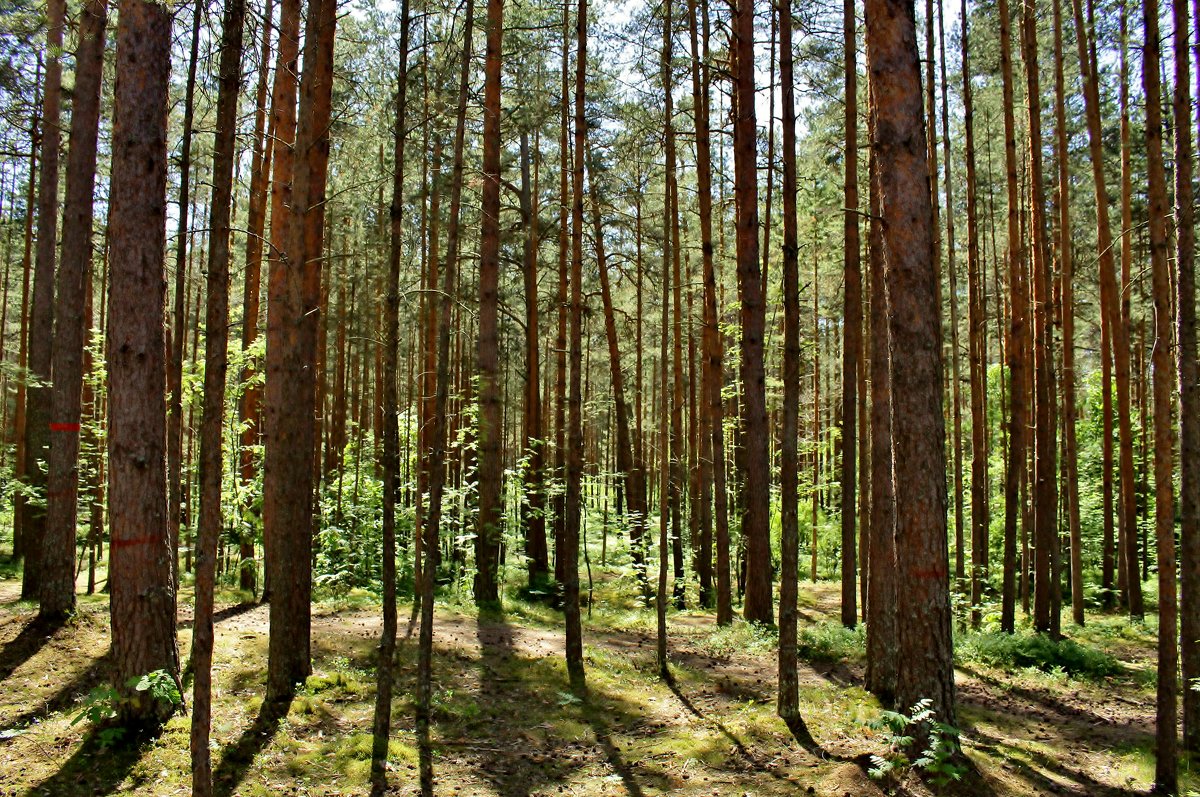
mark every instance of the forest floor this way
{"type": "Point", "coordinates": [505, 723]}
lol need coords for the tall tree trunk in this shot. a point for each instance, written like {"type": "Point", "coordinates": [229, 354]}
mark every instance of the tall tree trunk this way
{"type": "Point", "coordinates": [216, 362]}
{"type": "Point", "coordinates": [852, 312]}
{"type": "Point", "coordinates": [633, 478]}
{"type": "Point", "coordinates": [789, 534]}
{"type": "Point", "coordinates": [1189, 388]}
{"type": "Point", "coordinates": [533, 508]}
{"type": "Point", "coordinates": [177, 335]}
{"type": "Point", "coordinates": [491, 430]}
{"type": "Point", "coordinates": [952, 272]}
{"type": "Point", "coordinates": [283, 121]}
{"type": "Point", "coordinates": [1018, 304]}
{"type": "Point", "coordinates": [41, 310]}
{"type": "Point", "coordinates": [573, 504]}
{"type": "Point", "coordinates": [1166, 777]}
{"type": "Point", "coordinates": [1067, 271]}
{"type": "Point", "coordinates": [140, 573]}
{"type": "Point", "coordinates": [977, 321]}
{"type": "Point", "coordinates": [1046, 618]}
{"type": "Point", "coordinates": [436, 464]}
{"type": "Point", "coordinates": [382, 719]}
{"type": "Point", "coordinates": [1110, 302]}
{"type": "Point", "coordinates": [918, 433]}
{"type": "Point", "coordinates": [560, 339]}
{"type": "Point", "coordinates": [288, 477]}
{"type": "Point", "coordinates": [881, 588]}
{"type": "Point", "coordinates": [62, 486]}
{"type": "Point", "coordinates": [756, 520]}
{"type": "Point", "coordinates": [248, 406]}
{"type": "Point", "coordinates": [711, 338]}
{"type": "Point", "coordinates": [20, 410]}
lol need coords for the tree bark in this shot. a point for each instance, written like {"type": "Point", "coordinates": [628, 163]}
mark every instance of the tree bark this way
{"type": "Point", "coordinates": [216, 363]}
{"type": "Point", "coordinates": [41, 310]}
{"type": "Point", "coordinates": [382, 719]}
{"type": "Point", "coordinates": [1017, 367]}
{"type": "Point", "coordinates": [248, 406]}
{"type": "Point", "coordinates": [756, 530]}
{"type": "Point", "coordinates": [918, 431]}
{"type": "Point", "coordinates": [574, 454]}
{"type": "Point", "coordinates": [140, 573]}
{"type": "Point", "coordinates": [1110, 306]}
{"type": "Point", "coordinates": [57, 594]}
{"type": "Point", "coordinates": [852, 313]}
{"type": "Point", "coordinates": [1189, 387]}
{"type": "Point", "coordinates": [1067, 269]}
{"type": "Point", "coordinates": [1166, 777]}
{"type": "Point", "coordinates": [1046, 618]}
{"type": "Point", "coordinates": [491, 430]}
{"type": "Point", "coordinates": [290, 430]}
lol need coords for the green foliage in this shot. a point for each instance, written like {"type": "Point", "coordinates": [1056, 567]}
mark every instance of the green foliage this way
{"type": "Point", "coordinates": [831, 642]}
{"type": "Point", "coordinates": [939, 760]}
{"type": "Point", "coordinates": [1039, 651]}
{"type": "Point", "coordinates": [104, 703]}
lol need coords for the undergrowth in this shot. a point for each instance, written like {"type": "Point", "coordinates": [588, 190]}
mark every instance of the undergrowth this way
{"type": "Point", "coordinates": [1031, 650]}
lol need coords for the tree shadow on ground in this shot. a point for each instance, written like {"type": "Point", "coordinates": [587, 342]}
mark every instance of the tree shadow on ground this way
{"type": "Point", "coordinates": [228, 613]}
{"type": "Point", "coordinates": [32, 638]}
{"type": "Point", "coordinates": [67, 695]}
{"type": "Point", "coordinates": [96, 769]}
{"type": "Point", "coordinates": [1079, 782]}
{"type": "Point", "coordinates": [1068, 716]}
{"type": "Point", "coordinates": [237, 758]}
{"type": "Point", "coordinates": [507, 700]}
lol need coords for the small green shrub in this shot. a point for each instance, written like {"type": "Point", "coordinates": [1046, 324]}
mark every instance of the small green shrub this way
{"type": "Point", "coordinates": [939, 760]}
{"type": "Point", "coordinates": [1038, 651]}
{"type": "Point", "coordinates": [830, 642]}
{"type": "Point", "coordinates": [104, 703]}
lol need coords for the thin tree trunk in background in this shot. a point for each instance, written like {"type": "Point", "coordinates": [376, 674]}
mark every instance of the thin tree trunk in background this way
{"type": "Point", "coordinates": [677, 440]}
{"type": "Point", "coordinates": [634, 479]}
{"type": "Point", "coordinates": [491, 430]}
{"type": "Point", "coordinates": [952, 271]}
{"type": "Point", "coordinates": [381, 724]}
{"type": "Point", "coordinates": [560, 339]}
{"type": "Point", "coordinates": [664, 438]}
{"type": "Point", "coordinates": [177, 334]}
{"type": "Point", "coordinates": [1166, 776]}
{"type": "Point", "coordinates": [711, 336]}
{"type": "Point", "coordinates": [1189, 388]}
{"type": "Point", "coordinates": [41, 310]}
{"type": "Point", "coordinates": [756, 527]}
{"type": "Point", "coordinates": [216, 362]}
{"type": "Point", "coordinates": [436, 465]}
{"type": "Point", "coordinates": [977, 320]}
{"type": "Point", "coordinates": [1018, 302]}
{"type": "Point", "coordinates": [1067, 271]}
{"type": "Point", "coordinates": [289, 472]}
{"type": "Point", "coordinates": [789, 534]}
{"type": "Point", "coordinates": [141, 577]}
{"type": "Point", "coordinates": [852, 302]}
{"type": "Point", "coordinates": [283, 122]}
{"type": "Point", "coordinates": [1110, 306]}
{"type": "Point", "coordinates": [57, 593]}
{"type": "Point", "coordinates": [573, 503]}
{"type": "Point", "coordinates": [815, 489]}
{"type": "Point", "coordinates": [918, 433]}
{"type": "Point", "coordinates": [20, 410]}
{"type": "Point", "coordinates": [1046, 618]}
{"type": "Point", "coordinates": [881, 587]}
{"type": "Point", "coordinates": [533, 508]}
{"type": "Point", "coordinates": [248, 405]}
